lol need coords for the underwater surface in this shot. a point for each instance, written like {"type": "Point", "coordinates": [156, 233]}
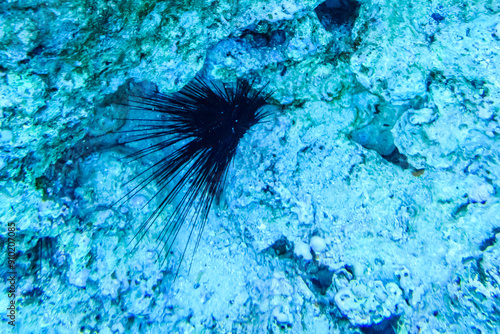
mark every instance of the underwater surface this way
{"type": "Point", "coordinates": [366, 201]}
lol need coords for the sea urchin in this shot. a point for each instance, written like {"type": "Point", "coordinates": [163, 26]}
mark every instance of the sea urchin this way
{"type": "Point", "coordinates": [196, 132]}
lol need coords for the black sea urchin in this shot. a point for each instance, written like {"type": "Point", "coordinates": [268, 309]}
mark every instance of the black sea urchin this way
{"type": "Point", "coordinates": [196, 132]}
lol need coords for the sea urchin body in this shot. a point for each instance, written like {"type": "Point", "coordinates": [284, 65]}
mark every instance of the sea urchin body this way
{"type": "Point", "coordinates": [196, 131]}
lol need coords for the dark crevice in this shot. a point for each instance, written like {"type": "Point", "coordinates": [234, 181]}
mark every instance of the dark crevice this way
{"type": "Point", "coordinates": [397, 159]}
{"type": "Point", "coordinates": [337, 13]}
{"type": "Point", "coordinates": [490, 241]}
{"type": "Point", "coordinates": [386, 326]}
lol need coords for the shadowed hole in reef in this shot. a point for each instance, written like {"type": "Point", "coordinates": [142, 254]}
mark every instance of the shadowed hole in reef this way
{"type": "Point", "coordinates": [376, 134]}
{"type": "Point", "coordinates": [381, 142]}
{"type": "Point", "coordinates": [336, 13]}
{"type": "Point", "coordinates": [491, 240]}
{"type": "Point", "coordinates": [386, 326]}
{"type": "Point", "coordinates": [281, 248]}
{"type": "Point", "coordinates": [322, 279]}
{"type": "Point", "coordinates": [397, 158]}
{"type": "Point", "coordinates": [319, 276]}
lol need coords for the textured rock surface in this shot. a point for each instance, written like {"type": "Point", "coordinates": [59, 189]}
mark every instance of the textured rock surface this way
{"type": "Point", "coordinates": [369, 200]}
